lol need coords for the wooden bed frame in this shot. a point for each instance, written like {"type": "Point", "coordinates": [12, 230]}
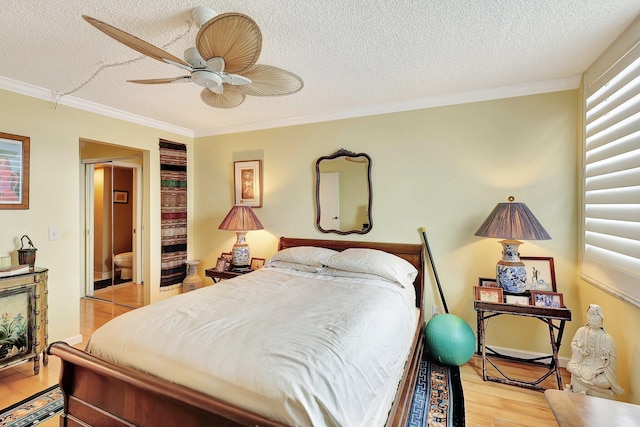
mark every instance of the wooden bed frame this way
{"type": "Point", "coordinates": [99, 393]}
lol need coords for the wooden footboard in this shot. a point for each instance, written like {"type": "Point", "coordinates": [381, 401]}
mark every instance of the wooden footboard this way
{"type": "Point", "coordinates": [99, 393]}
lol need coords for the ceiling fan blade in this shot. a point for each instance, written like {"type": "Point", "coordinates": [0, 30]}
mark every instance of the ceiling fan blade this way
{"type": "Point", "coordinates": [181, 79]}
{"type": "Point", "coordinates": [134, 42]}
{"type": "Point", "coordinates": [229, 98]}
{"type": "Point", "coordinates": [232, 36]}
{"type": "Point", "coordinates": [267, 80]}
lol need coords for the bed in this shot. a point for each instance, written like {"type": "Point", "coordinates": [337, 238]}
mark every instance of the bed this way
{"type": "Point", "coordinates": [102, 387]}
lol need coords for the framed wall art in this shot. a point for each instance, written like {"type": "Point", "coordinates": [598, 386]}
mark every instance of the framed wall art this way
{"type": "Point", "coordinates": [248, 183]}
{"type": "Point", "coordinates": [541, 276]}
{"type": "Point", "coordinates": [14, 171]}
{"type": "Point", "coordinates": [120, 196]}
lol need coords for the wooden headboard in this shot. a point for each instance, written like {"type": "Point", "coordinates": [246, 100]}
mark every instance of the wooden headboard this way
{"type": "Point", "coordinates": [411, 252]}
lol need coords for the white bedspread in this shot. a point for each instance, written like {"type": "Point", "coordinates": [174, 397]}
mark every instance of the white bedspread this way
{"type": "Point", "coordinates": [301, 350]}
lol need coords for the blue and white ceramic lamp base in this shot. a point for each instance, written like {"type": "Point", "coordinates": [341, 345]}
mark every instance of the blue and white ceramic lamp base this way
{"type": "Point", "coordinates": [511, 274]}
{"type": "Point", "coordinates": [240, 251]}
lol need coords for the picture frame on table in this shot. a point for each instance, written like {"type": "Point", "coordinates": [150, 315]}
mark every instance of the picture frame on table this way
{"type": "Point", "coordinates": [14, 171]}
{"type": "Point", "coordinates": [541, 274]}
{"type": "Point", "coordinates": [228, 256]}
{"type": "Point", "coordinates": [221, 265]}
{"type": "Point", "coordinates": [247, 183]}
{"type": "Point", "coordinates": [120, 196]}
{"type": "Point", "coordinates": [257, 263]}
{"type": "Point", "coordinates": [488, 294]}
{"type": "Point", "coordinates": [517, 299]}
{"type": "Point", "coordinates": [547, 299]}
{"type": "Point", "coordinates": [487, 282]}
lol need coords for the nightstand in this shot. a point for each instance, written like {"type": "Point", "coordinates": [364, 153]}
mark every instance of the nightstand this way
{"type": "Point", "coordinates": [220, 275]}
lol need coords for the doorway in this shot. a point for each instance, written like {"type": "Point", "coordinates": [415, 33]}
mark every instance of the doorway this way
{"type": "Point", "coordinates": [113, 244]}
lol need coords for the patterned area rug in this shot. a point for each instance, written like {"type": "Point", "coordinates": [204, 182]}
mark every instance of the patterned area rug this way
{"type": "Point", "coordinates": [438, 400]}
{"type": "Point", "coordinates": [173, 212]}
{"type": "Point", "coordinates": [33, 410]}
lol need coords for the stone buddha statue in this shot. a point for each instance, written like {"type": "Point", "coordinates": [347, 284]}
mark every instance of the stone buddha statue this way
{"type": "Point", "coordinates": [593, 359]}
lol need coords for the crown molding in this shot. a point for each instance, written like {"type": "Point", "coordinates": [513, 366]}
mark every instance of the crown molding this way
{"type": "Point", "coordinates": [71, 101]}
{"type": "Point", "coordinates": [524, 89]}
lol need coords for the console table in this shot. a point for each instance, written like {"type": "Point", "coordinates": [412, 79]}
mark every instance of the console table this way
{"type": "Point", "coordinates": [487, 310]}
{"type": "Point", "coordinates": [23, 318]}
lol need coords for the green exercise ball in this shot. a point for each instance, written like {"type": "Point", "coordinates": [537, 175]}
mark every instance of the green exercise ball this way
{"type": "Point", "coordinates": [449, 339]}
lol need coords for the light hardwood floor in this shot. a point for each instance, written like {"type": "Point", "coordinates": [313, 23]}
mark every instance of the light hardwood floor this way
{"type": "Point", "coordinates": [487, 404]}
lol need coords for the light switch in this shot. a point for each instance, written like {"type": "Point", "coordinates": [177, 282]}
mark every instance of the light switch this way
{"type": "Point", "coordinates": [54, 233]}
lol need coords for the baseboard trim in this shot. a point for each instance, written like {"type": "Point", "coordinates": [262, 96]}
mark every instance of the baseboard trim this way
{"type": "Point", "coordinates": [76, 339]}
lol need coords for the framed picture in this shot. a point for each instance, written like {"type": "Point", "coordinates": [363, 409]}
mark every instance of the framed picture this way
{"type": "Point", "coordinates": [120, 196]}
{"type": "Point", "coordinates": [517, 299]}
{"type": "Point", "coordinates": [257, 263]}
{"type": "Point", "coordinates": [486, 282]}
{"type": "Point", "coordinates": [541, 276]}
{"type": "Point", "coordinates": [488, 294]}
{"type": "Point", "coordinates": [547, 299]}
{"type": "Point", "coordinates": [221, 265]}
{"type": "Point", "coordinates": [228, 256]}
{"type": "Point", "coordinates": [14, 171]}
{"type": "Point", "coordinates": [247, 181]}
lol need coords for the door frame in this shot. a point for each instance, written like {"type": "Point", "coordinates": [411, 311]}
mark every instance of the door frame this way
{"type": "Point", "coordinates": [136, 199]}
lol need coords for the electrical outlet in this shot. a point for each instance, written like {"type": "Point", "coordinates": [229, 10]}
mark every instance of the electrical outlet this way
{"type": "Point", "coordinates": [435, 310]}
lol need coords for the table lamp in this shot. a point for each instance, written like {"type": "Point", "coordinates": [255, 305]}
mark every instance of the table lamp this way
{"type": "Point", "coordinates": [512, 221]}
{"type": "Point", "coordinates": [240, 219]}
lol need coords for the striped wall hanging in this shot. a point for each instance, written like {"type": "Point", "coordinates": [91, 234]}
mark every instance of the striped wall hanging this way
{"type": "Point", "coordinates": [173, 212]}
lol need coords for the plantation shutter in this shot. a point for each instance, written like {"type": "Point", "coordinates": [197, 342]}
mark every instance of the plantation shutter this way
{"type": "Point", "coordinates": [611, 197]}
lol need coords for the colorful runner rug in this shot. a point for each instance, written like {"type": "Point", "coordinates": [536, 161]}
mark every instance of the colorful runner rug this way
{"type": "Point", "coordinates": [438, 400]}
{"type": "Point", "coordinates": [173, 208]}
{"type": "Point", "coordinates": [33, 410]}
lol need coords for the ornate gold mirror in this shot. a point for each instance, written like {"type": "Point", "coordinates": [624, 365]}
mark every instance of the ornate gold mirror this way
{"type": "Point", "coordinates": [343, 193]}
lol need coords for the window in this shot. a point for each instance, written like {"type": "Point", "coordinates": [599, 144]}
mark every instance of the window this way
{"type": "Point", "coordinates": [611, 186]}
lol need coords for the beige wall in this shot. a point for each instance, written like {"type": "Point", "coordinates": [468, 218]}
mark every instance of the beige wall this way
{"type": "Point", "coordinates": [57, 198]}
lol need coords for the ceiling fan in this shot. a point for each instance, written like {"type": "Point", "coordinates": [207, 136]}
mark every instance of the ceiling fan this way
{"type": "Point", "coordinates": [223, 60]}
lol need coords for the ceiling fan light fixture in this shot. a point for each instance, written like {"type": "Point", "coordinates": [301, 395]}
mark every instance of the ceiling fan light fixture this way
{"type": "Point", "coordinates": [201, 15]}
{"type": "Point", "coordinates": [204, 78]}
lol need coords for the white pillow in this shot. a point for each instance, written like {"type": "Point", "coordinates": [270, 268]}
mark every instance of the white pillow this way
{"type": "Point", "coordinates": [308, 255]}
{"type": "Point", "coordinates": [376, 262]}
{"type": "Point", "coordinates": [294, 266]}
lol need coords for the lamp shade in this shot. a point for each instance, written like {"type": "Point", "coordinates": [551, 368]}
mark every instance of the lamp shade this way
{"type": "Point", "coordinates": [241, 218]}
{"type": "Point", "coordinates": [512, 221]}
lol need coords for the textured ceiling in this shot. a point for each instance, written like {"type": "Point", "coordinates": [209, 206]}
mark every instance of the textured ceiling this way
{"type": "Point", "coordinates": [356, 57]}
